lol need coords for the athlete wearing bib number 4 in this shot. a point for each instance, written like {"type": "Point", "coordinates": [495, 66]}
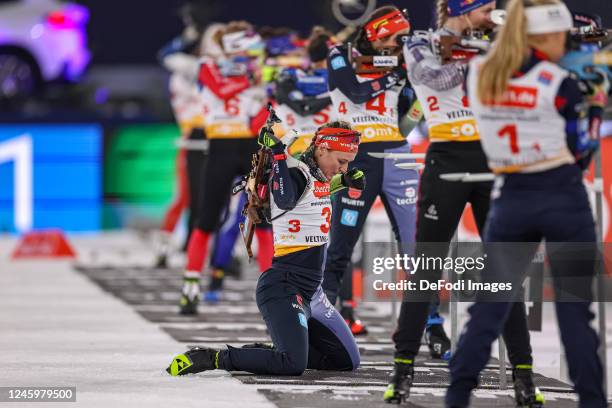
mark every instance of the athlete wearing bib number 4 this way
{"type": "Point", "coordinates": [454, 148]}
{"type": "Point", "coordinates": [537, 136]}
{"type": "Point", "coordinates": [373, 104]}
{"type": "Point", "coordinates": [306, 330]}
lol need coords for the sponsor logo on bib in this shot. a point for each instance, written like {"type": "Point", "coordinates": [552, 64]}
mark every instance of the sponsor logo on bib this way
{"type": "Point", "coordinates": [519, 97]}
{"type": "Point", "coordinates": [321, 189]}
{"type": "Point", "coordinates": [354, 193]}
{"type": "Point", "coordinates": [384, 61]}
{"type": "Point", "coordinates": [349, 217]}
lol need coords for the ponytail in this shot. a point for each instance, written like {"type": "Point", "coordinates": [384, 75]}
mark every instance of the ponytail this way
{"type": "Point", "coordinates": [441, 13]}
{"type": "Point", "coordinates": [508, 52]}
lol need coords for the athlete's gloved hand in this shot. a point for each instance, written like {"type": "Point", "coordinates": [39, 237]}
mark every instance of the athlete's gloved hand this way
{"type": "Point", "coordinates": [353, 178]}
{"type": "Point", "coordinates": [267, 139]}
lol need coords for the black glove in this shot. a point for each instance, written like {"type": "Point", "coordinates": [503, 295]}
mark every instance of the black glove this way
{"type": "Point", "coordinates": [267, 139]}
{"type": "Point", "coordinates": [354, 178]}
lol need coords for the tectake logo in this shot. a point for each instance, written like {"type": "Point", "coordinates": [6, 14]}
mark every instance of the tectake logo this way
{"type": "Point", "coordinates": [321, 189]}
{"type": "Point", "coordinates": [349, 217]}
{"type": "Point", "coordinates": [338, 62]}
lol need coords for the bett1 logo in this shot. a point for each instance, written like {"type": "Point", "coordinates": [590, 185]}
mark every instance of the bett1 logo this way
{"type": "Point", "coordinates": [50, 177]}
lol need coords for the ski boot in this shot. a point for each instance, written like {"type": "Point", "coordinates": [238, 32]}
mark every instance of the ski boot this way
{"type": "Point", "coordinates": [526, 394]}
{"type": "Point", "coordinates": [195, 360]}
{"type": "Point", "coordinates": [402, 376]}
{"type": "Point", "coordinates": [213, 295]}
{"type": "Point", "coordinates": [356, 325]}
{"type": "Point", "coordinates": [190, 296]}
{"type": "Point", "coordinates": [438, 342]}
{"type": "Point", "coordinates": [161, 261]}
{"type": "Point", "coordinates": [162, 250]}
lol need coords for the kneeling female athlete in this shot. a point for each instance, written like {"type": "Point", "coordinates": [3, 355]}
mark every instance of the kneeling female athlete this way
{"type": "Point", "coordinates": [306, 330]}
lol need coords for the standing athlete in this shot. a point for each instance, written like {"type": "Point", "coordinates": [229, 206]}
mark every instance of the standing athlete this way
{"type": "Point", "coordinates": [234, 109]}
{"type": "Point", "coordinates": [372, 104]}
{"type": "Point", "coordinates": [302, 97]}
{"type": "Point", "coordinates": [454, 148]}
{"type": "Point", "coordinates": [536, 133]}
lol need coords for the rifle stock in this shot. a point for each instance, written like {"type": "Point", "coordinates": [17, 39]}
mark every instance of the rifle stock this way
{"type": "Point", "coordinates": [256, 189]}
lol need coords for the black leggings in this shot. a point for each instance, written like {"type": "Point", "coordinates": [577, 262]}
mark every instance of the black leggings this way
{"type": "Point", "coordinates": [195, 167]}
{"type": "Point", "coordinates": [440, 206]}
{"type": "Point", "coordinates": [306, 333]}
{"type": "Point", "coordinates": [227, 159]}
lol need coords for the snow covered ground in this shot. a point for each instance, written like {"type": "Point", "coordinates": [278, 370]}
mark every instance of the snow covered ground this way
{"type": "Point", "coordinates": [57, 328]}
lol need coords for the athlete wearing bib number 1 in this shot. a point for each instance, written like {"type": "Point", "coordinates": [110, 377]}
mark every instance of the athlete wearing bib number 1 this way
{"type": "Point", "coordinates": [454, 148]}
{"type": "Point", "coordinates": [306, 330]}
{"type": "Point", "coordinates": [537, 136]}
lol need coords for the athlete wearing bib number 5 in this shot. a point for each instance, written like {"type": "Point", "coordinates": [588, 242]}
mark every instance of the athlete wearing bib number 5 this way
{"type": "Point", "coordinates": [454, 148]}
{"type": "Point", "coordinates": [536, 133]}
{"type": "Point", "coordinates": [306, 330]}
{"type": "Point", "coordinates": [302, 96]}
{"type": "Point", "coordinates": [373, 104]}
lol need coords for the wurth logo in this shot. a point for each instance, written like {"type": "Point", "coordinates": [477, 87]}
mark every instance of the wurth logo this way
{"type": "Point", "coordinates": [519, 97]}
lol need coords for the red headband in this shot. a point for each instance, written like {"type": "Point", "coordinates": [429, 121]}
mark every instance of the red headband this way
{"type": "Point", "coordinates": [339, 139]}
{"type": "Point", "coordinates": [386, 25]}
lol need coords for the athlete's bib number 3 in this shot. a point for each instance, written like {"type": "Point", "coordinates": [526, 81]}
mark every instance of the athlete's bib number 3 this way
{"type": "Point", "coordinates": [296, 225]}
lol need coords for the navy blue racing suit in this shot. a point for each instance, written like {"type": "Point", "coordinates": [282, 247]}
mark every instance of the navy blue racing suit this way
{"type": "Point", "coordinates": [306, 330]}
{"type": "Point", "coordinates": [397, 188]}
{"type": "Point", "coordinates": [550, 204]}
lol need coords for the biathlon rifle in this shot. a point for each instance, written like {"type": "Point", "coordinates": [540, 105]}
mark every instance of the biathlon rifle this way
{"type": "Point", "coordinates": [256, 187]}
{"type": "Point", "coordinates": [451, 48]}
{"type": "Point", "coordinates": [591, 56]}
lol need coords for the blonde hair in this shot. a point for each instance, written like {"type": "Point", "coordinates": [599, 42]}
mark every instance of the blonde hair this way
{"type": "Point", "coordinates": [441, 13]}
{"type": "Point", "coordinates": [508, 51]}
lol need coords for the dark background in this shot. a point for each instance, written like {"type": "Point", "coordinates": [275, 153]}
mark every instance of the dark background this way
{"type": "Point", "coordinates": [131, 31]}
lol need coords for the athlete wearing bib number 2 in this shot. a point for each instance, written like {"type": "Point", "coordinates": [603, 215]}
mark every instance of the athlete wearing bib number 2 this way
{"type": "Point", "coordinates": [306, 330]}
{"type": "Point", "coordinates": [537, 137]}
{"type": "Point", "coordinates": [454, 148]}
